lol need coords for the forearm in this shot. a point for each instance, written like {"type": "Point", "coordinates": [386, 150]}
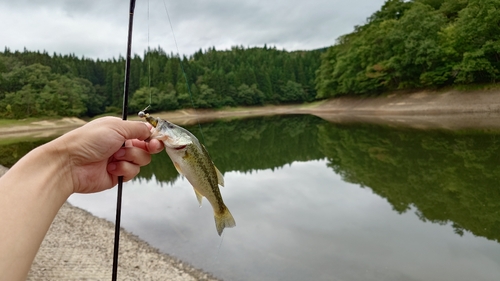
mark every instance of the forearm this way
{"type": "Point", "coordinates": [31, 193]}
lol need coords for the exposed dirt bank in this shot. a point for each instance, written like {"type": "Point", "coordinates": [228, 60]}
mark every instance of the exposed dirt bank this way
{"type": "Point", "coordinates": [42, 128]}
{"type": "Point", "coordinates": [424, 110]}
{"type": "Point", "coordinates": [450, 110]}
{"type": "Point", "coordinates": [425, 102]}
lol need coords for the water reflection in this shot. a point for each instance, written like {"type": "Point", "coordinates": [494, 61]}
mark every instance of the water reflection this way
{"type": "Point", "coordinates": [448, 176]}
{"type": "Point", "coordinates": [248, 145]}
{"type": "Point", "coordinates": [12, 150]}
{"type": "Point", "coordinates": [299, 222]}
{"type": "Point", "coordinates": [319, 201]}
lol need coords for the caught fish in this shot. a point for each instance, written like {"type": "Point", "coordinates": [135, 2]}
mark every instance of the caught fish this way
{"type": "Point", "coordinates": [191, 160]}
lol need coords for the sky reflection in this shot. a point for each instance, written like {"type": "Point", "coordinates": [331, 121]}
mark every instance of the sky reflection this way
{"type": "Point", "coordinates": [297, 222]}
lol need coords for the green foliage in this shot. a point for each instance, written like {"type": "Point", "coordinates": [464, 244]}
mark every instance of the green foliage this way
{"type": "Point", "coordinates": [415, 44]}
{"type": "Point", "coordinates": [249, 95]}
{"type": "Point", "coordinates": [293, 92]}
{"type": "Point", "coordinates": [476, 37]}
{"type": "Point", "coordinates": [37, 84]}
{"type": "Point", "coordinates": [157, 99]}
{"type": "Point", "coordinates": [391, 10]}
{"type": "Point", "coordinates": [35, 90]}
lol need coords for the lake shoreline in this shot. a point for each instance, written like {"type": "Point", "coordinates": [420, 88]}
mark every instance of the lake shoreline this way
{"type": "Point", "coordinates": [80, 244]}
{"type": "Point", "coordinates": [424, 109]}
{"type": "Point", "coordinates": [453, 110]}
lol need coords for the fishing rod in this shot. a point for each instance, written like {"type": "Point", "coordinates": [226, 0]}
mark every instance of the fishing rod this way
{"type": "Point", "coordinates": [124, 117]}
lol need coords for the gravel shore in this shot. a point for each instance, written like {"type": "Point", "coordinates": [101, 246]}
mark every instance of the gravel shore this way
{"type": "Point", "coordinates": [79, 246]}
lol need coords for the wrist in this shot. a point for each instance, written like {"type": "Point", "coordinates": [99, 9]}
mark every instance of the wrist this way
{"type": "Point", "coordinates": [57, 167]}
{"type": "Point", "coordinates": [42, 173]}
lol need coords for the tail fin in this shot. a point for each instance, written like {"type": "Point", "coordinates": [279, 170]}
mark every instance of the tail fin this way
{"type": "Point", "coordinates": [223, 220]}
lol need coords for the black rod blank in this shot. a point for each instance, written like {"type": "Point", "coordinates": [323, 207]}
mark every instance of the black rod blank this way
{"type": "Point", "coordinates": [124, 117]}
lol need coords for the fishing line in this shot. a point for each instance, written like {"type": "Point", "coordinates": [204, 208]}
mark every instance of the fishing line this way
{"type": "Point", "coordinates": [182, 69]}
{"type": "Point", "coordinates": [149, 66]}
{"type": "Point", "coordinates": [124, 117]}
{"type": "Point", "coordinates": [220, 246]}
{"type": "Point", "coordinates": [191, 97]}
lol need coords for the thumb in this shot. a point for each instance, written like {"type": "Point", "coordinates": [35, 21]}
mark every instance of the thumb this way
{"type": "Point", "coordinates": [128, 129]}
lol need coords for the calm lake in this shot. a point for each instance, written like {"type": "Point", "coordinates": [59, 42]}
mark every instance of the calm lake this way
{"type": "Point", "coordinates": [314, 200]}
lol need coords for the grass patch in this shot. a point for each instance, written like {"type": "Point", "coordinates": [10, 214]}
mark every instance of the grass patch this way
{"type": "Point", "coordinates": [20, 122]}
{"type": "Point", "coordinates": [313, 104]}
{"type": "Point", "coordinates": [13, 140]}
{"type": "Point", "coordinates": [478, 87]}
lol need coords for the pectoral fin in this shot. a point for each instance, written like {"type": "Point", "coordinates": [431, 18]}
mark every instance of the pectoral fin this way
{"type": "Point", "coordinates": [178, 168]}
{"type": "Point", "coordinates": [198, 196]}
{"type": "Point", "coordinates": [220, 178]}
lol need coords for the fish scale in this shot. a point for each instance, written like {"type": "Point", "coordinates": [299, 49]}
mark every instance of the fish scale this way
{"type": "Point", "coordinates": [202, 170]}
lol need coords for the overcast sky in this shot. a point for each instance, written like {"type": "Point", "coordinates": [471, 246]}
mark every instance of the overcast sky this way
{"type": "Point", "coordinates": [98, 28]}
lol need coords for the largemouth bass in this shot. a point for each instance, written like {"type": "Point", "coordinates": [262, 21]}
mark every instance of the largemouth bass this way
{"type": "Point", "coordinates": [191, 160]}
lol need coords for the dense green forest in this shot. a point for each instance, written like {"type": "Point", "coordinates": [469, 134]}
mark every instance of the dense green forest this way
{"type": "Point", "coordinates": [406, 45]}
{"type": "Point", "coordinates": [39, 84]}
{"type": "Point", "coordinates": [415, 44]}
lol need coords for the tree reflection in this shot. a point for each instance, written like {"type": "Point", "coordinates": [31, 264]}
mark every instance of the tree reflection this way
{"type": "Point", "coordinates": [12, 150]}
{"type": "Point", "coordinates": [248, 145]}
{"type": "Point", "coordinates": [448, 176]}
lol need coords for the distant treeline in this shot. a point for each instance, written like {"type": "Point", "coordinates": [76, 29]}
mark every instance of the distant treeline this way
{"type": "Point", "coordinates": [416, 44]}
{"type": "Point", "coordinates": [39, 84]}
{"type": "Point", "coordinates": [405, 45]}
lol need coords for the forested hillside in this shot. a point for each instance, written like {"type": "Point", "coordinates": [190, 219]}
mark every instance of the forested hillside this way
{"type": "Point", "coordinates": [39, 84]}
{"type": "Point", "coordinates": [415, 44]}
{"type": "Point", "coordinates": [405, 45]}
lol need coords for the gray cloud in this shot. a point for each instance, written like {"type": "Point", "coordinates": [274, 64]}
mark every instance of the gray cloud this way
{"type": "Point", "coordinates": [98, 28]}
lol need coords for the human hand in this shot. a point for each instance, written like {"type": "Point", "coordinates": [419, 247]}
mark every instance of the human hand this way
{"type": "Point", "coordinates": [96, 157]}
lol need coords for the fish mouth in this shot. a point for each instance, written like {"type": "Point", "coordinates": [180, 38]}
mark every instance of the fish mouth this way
{"type": "Point", "coordinates": [180, 147]}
